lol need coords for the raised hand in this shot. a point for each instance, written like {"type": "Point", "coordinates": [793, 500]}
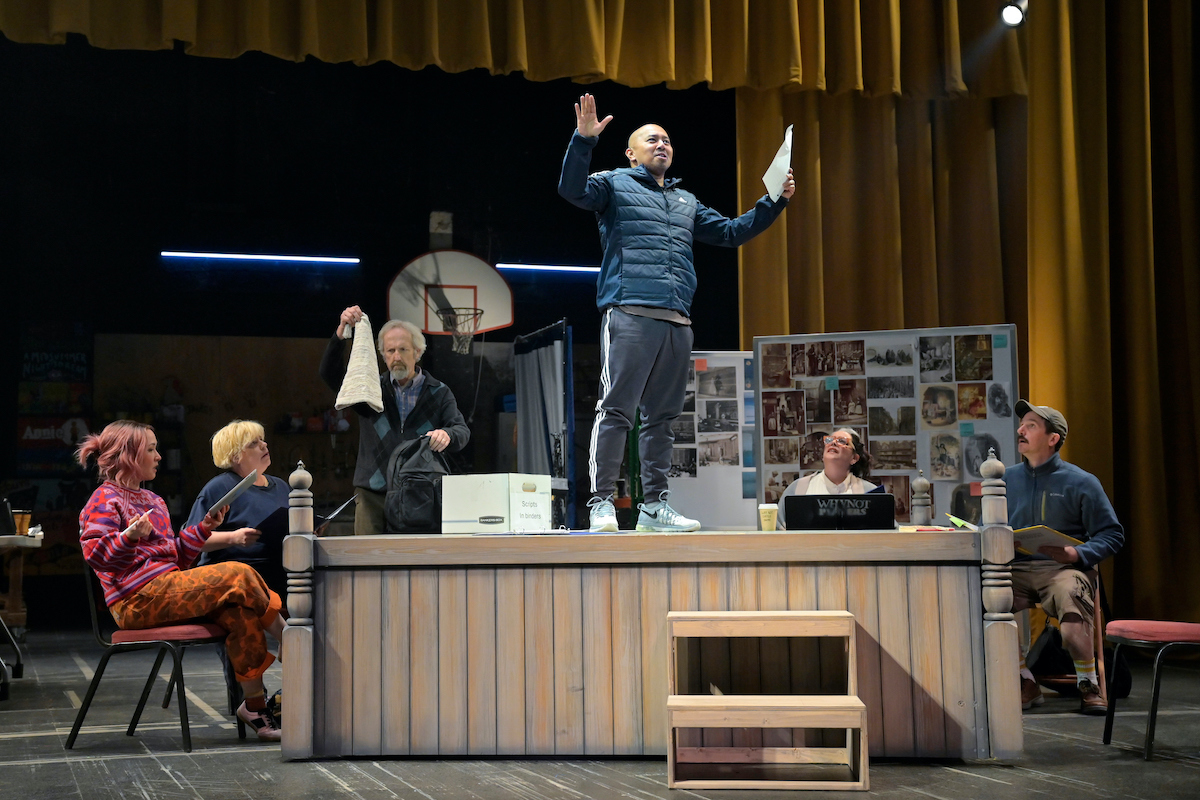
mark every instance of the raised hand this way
{"type": "Point", "coordinates": [789, 184]}
{"type": "Point", "coordinates": [350, 316]}
{"type": "Point", "coordinates": [585, 117]}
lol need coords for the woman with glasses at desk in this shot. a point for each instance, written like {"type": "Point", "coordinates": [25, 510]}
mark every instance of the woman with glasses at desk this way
{"type": "Point", "coordinates": [846, 464]}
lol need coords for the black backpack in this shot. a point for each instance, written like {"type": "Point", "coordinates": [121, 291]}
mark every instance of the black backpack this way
{"type": "Point", "coordinates": [414, 488]}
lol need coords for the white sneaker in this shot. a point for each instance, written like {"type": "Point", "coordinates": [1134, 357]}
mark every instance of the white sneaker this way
{"type": "Point", "coordinates": [661, 518]}
{"type": "Point", "coordinates": [602, 515]}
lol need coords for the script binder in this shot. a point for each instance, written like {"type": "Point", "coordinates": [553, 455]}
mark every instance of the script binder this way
{"type": "Point", "coordinates": [1033, 538]}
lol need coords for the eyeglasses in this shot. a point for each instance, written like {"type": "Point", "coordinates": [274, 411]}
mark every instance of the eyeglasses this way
{"type": "Point", "coordinates": [840, 440]}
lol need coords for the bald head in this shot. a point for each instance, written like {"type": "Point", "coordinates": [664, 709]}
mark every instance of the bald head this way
{"type": "Point", "coordinates": [650, 146]}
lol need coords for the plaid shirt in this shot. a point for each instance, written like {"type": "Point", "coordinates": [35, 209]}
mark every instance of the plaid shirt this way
{"type": "Point", "coordinates": [406, 396]}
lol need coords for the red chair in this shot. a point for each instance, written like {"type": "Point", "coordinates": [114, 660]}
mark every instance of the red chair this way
{"type": "Point", "coordinates": [168, 638]}
{"type": "Point", "coordinates": [1148, 635]}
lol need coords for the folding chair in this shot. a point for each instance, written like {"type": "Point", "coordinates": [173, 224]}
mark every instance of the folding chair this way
{"type": "Point", "coordinates": [1148, 635]}
{"type": "Point", "coordinates": [167, 638]}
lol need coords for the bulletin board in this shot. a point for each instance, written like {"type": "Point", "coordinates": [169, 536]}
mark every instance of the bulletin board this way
{"type": "Point", "coordinates": [712, 474]}
{"type": "Point", "coordinates": [931, 400]}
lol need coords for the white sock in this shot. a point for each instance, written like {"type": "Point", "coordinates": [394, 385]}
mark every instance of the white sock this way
{"type": "Point", "coordinates": [1025, 673]}
{"type": "Point", "coordinates": [1086, 671]}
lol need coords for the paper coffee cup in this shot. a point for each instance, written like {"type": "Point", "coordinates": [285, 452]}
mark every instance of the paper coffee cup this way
{"type": "Point", "coordinates": [21, 518]}
{"type": "Point", "coordinates": [767, 514]}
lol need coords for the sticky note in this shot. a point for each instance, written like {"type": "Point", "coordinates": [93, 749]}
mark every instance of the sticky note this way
{"type": "Point", "coordinates": [999, 340]}
{"type": "Point", "coordinates": [831, 383]}
{"type": "Point", "coordinates": [966, 429]}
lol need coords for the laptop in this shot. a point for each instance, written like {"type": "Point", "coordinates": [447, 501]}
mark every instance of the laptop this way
{"type": "Point", "coordinates": [840, 512]}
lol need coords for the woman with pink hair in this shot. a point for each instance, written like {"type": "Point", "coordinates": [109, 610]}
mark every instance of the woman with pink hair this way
{"type": "Point", "coordinates": [127, 539]}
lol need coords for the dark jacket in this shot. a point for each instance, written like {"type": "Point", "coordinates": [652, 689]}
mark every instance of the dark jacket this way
{"type": "Point", "coordinates": [380, 432]}
{"type": "Point", "coordinates": [647, 230]}
{"type": "Point", "coordinates": [1064, 497]}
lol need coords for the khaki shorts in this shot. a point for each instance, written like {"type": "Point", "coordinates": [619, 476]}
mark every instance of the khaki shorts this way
{"type": "Point", "coordinates": [1059, 588]}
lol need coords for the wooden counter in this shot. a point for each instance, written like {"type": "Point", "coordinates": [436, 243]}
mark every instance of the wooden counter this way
{"type": "Point", "coordinates": [557, 644]}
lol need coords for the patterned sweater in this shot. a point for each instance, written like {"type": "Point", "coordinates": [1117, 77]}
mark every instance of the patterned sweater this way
{"type": "Point", "coordinates": [124, 566]}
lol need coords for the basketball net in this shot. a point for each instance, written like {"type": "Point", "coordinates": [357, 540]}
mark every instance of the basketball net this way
{"type": "Point", "coordinates": [462, 324]}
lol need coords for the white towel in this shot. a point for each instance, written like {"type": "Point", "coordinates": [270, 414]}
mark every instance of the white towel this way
{"type": "Point", "coordinates": [361, 384]}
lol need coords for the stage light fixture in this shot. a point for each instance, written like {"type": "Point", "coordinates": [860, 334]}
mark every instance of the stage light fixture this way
{"type": "Point", "coordinates": [1013, 12]}
{"type": "Point", "coordinates": [257, 257]}
{"type": "Point", "coordinates": [545, 268]}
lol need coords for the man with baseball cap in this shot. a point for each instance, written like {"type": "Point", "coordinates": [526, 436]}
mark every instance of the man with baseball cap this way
{"type": "Point", "coordinates": [1045, 490]}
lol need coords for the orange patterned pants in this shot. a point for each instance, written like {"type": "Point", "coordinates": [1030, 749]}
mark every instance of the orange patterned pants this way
{"type": "Point", "coordinates": [231, 594]}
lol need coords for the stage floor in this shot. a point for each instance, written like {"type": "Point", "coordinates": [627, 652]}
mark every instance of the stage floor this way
{"type": "Point", "coordinates": [1064, 757]}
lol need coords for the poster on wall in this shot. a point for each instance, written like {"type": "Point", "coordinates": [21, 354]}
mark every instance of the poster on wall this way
{"type": "Point", "coordinates": [932, 401]}
{"type": "Point", "coordinates": [713, 474]}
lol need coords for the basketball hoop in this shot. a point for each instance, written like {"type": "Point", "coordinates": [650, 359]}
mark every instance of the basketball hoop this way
{"type": "Point", "coordinates": [462, 324]}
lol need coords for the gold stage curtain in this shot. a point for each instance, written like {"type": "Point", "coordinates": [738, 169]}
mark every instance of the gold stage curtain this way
{"type": "Point", "coordinates": [950, 172]}
{"type": "Point", "coordinates": [837, 45]}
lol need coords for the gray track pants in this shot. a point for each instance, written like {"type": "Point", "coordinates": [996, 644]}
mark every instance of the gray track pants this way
{"type": "Point", "coordinates": [643, 364]}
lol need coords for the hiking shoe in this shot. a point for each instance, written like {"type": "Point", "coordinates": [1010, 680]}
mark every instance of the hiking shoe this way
{"type": "Point", "coordinates": [661, 518]}
{"type": "Point", "coordinates": [1031, 694]}
{"type": "Point", "coordinates": [263, 722]}
{"type": "Point", "coordinates": [602, 515]}
{"type": "Point", "coordinates": [1091, 702]}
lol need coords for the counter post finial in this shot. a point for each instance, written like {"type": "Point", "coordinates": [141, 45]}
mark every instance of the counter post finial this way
{"type": "Point", "coordinates": [298, 560]}
{"type": "Point", "coordinates": [922, 504]}
{"type": "Point", "coordinates": [999, 625]}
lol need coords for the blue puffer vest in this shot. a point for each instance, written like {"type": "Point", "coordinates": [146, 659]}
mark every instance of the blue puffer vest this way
{"type": "Point", "coordinates": [647, 230]}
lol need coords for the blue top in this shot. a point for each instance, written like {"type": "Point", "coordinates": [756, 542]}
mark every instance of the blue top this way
{"type": "Point", "coordinates": [647, 230]}
{"type": "Point", "coordinates": [260, 507]}
{"type": "Point", "coordinates": [1064, 497]}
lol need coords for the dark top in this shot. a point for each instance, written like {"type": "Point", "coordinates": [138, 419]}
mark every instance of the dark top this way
{"type": "Point", "coordinates": [379, 432]}
{"type": "Point", "coordinates": [647, 230]}
{"type": "Point", "coordinates": [1068, 499]}
{"type": "Point", "coordinates": [260, 507]}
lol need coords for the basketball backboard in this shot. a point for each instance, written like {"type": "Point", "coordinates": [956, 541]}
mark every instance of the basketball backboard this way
{"type": "Point", "coordinates": [446, 279]}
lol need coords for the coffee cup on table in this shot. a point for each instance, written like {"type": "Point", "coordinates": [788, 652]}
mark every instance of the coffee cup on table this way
{"type": "Point", "coordinates": [767, 515]}
{"type": "Point", "coordinates": [21, 519]}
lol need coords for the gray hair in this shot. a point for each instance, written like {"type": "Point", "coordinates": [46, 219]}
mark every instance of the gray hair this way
{"type": "Point", "coordinates": [418, 338]}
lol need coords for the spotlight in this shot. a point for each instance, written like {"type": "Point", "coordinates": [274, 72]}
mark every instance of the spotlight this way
{"type": "Point", "coordinates": [1013, 12]}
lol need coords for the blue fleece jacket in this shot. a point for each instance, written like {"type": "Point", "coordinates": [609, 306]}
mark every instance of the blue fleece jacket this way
{"type": "Point", "coordinates": [647, 230]}
{"type": "Point", "coordinates": [1066, 498]}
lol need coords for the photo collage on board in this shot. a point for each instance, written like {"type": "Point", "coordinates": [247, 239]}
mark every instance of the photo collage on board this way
{"type": "Point", "coordinates": [965, 412]}
{"type": "Point", "coordinates": [709, 431]}
{"type": "Point", "coordinates": [930, 403]}
{"type": "Point", "coordinates": [808, 391]}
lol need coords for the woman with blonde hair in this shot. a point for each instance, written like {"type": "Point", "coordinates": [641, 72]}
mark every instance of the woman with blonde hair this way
{"type": "Point", "coordinates": [127, 539]}
{"type": "Point", "coordinates": [240, 448]}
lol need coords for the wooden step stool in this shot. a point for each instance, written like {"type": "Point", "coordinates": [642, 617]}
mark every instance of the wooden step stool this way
{"type": "Point", "coordinates": [767, 711]}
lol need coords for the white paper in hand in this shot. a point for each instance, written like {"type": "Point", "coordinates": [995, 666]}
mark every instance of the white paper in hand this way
{"type": "Point", "coordinates": [776, 174]}
{"type": "Point", "coordinates": [361, 384]}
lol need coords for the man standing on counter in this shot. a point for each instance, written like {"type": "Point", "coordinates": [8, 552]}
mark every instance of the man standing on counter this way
{"type": "Point", "coordinates": [1045, 490]}
{"type": "Point", "coordinates": [644, 291]}
{"type": "Point", "coordinates": [415, 404]}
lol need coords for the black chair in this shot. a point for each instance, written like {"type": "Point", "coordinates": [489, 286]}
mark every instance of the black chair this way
{"type": "Point", "coordinates": [18, 668]}
{"type": "Point", "coordinates": [173, 638]}
{"type": "Point", "coordinates": [1156, 636]}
